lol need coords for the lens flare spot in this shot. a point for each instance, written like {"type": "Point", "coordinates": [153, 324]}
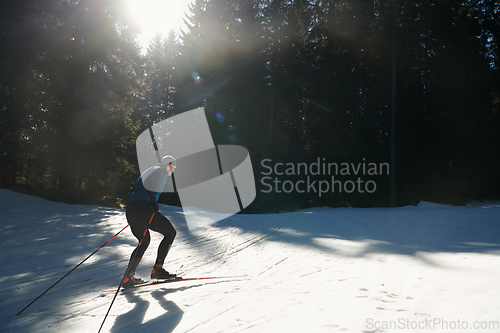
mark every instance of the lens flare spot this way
{"type": "Point", "coordinates": [220, 117]}
{"type": "Point", "coordinates": [196, 77]}
{"type": "Point", "coordinates": [232, 138]}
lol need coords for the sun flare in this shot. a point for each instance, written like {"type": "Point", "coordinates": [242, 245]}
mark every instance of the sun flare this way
{"type": "Point", "coordinates": [154, 16]}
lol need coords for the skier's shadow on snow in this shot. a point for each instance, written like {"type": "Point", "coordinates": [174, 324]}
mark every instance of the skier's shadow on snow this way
{"type": "Point", "coordinates": [132, 321]}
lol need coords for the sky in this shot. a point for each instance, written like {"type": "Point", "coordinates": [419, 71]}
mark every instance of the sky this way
{"type": "Point", "coordinates": [157, 15]}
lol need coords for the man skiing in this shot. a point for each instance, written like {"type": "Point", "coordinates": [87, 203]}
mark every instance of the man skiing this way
{"type": "Point", "coordinates": [142, 214]}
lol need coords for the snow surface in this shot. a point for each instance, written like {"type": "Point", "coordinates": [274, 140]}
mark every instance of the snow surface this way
{"type": "Point", "coordinates": [315, 270]}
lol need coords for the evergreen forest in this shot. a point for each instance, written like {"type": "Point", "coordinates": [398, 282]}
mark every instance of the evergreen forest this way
{"type": "Point", "coordinates": [413, 84]}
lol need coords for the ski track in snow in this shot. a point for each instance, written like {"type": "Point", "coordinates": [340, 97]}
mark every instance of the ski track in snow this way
{"type": "Point", "coordinates": [315, 270]}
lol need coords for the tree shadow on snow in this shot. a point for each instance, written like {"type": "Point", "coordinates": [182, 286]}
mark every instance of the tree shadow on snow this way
{"type": "Point", "coordinates": [405, 231]}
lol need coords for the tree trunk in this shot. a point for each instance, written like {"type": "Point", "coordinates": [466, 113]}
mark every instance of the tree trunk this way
{"type": "Point", "coordinates": [271, 120]}
{"type": "Point", "coordinates": [392, 177]}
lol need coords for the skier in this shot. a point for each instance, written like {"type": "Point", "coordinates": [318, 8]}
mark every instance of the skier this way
{"type": "Point", "coordinates": [141, 205]}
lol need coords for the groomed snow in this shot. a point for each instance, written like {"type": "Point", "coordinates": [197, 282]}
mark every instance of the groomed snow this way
{"type": "Point", "coordinates": [410, 269]}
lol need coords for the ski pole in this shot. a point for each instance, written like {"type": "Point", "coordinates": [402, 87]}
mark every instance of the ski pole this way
{"type": "Point", "coordinates": [71, 270]}
{"type": "Point", "coordinates": [123, 278]}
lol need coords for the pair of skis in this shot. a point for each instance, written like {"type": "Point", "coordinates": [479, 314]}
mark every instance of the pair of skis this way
{"type": "Point", "coordinates": [177, 279]}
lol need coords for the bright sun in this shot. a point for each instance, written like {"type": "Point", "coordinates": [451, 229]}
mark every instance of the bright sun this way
{"type": "Point", "coordinates": [157, 15]}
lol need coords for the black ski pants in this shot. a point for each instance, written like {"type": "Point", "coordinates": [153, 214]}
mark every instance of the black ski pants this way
{"type": "Point", "coordinates": [138, 216]}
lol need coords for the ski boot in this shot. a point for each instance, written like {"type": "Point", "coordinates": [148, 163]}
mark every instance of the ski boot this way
{"type": "Point", "coordinates": [130, 281]}
{"type": "Point", "coordinates": [159, 273]}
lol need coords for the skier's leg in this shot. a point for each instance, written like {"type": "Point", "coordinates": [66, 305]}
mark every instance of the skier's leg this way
{"type": "Point", "coordinates": [136, 256]}
{"type": "Point", "coordinates": [162, 225]}
{"type": "Point", "coordinates": [138, 217]}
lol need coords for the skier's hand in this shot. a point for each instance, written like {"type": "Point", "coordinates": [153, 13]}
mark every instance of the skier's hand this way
{"type": "Point", "coordinates": [170, 169]}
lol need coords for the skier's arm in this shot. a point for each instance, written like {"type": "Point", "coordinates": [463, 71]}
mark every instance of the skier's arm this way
{"type": "Point", "coordinates": [155, 182]}
{"type": "Point", "coordinates": [154, 204]}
